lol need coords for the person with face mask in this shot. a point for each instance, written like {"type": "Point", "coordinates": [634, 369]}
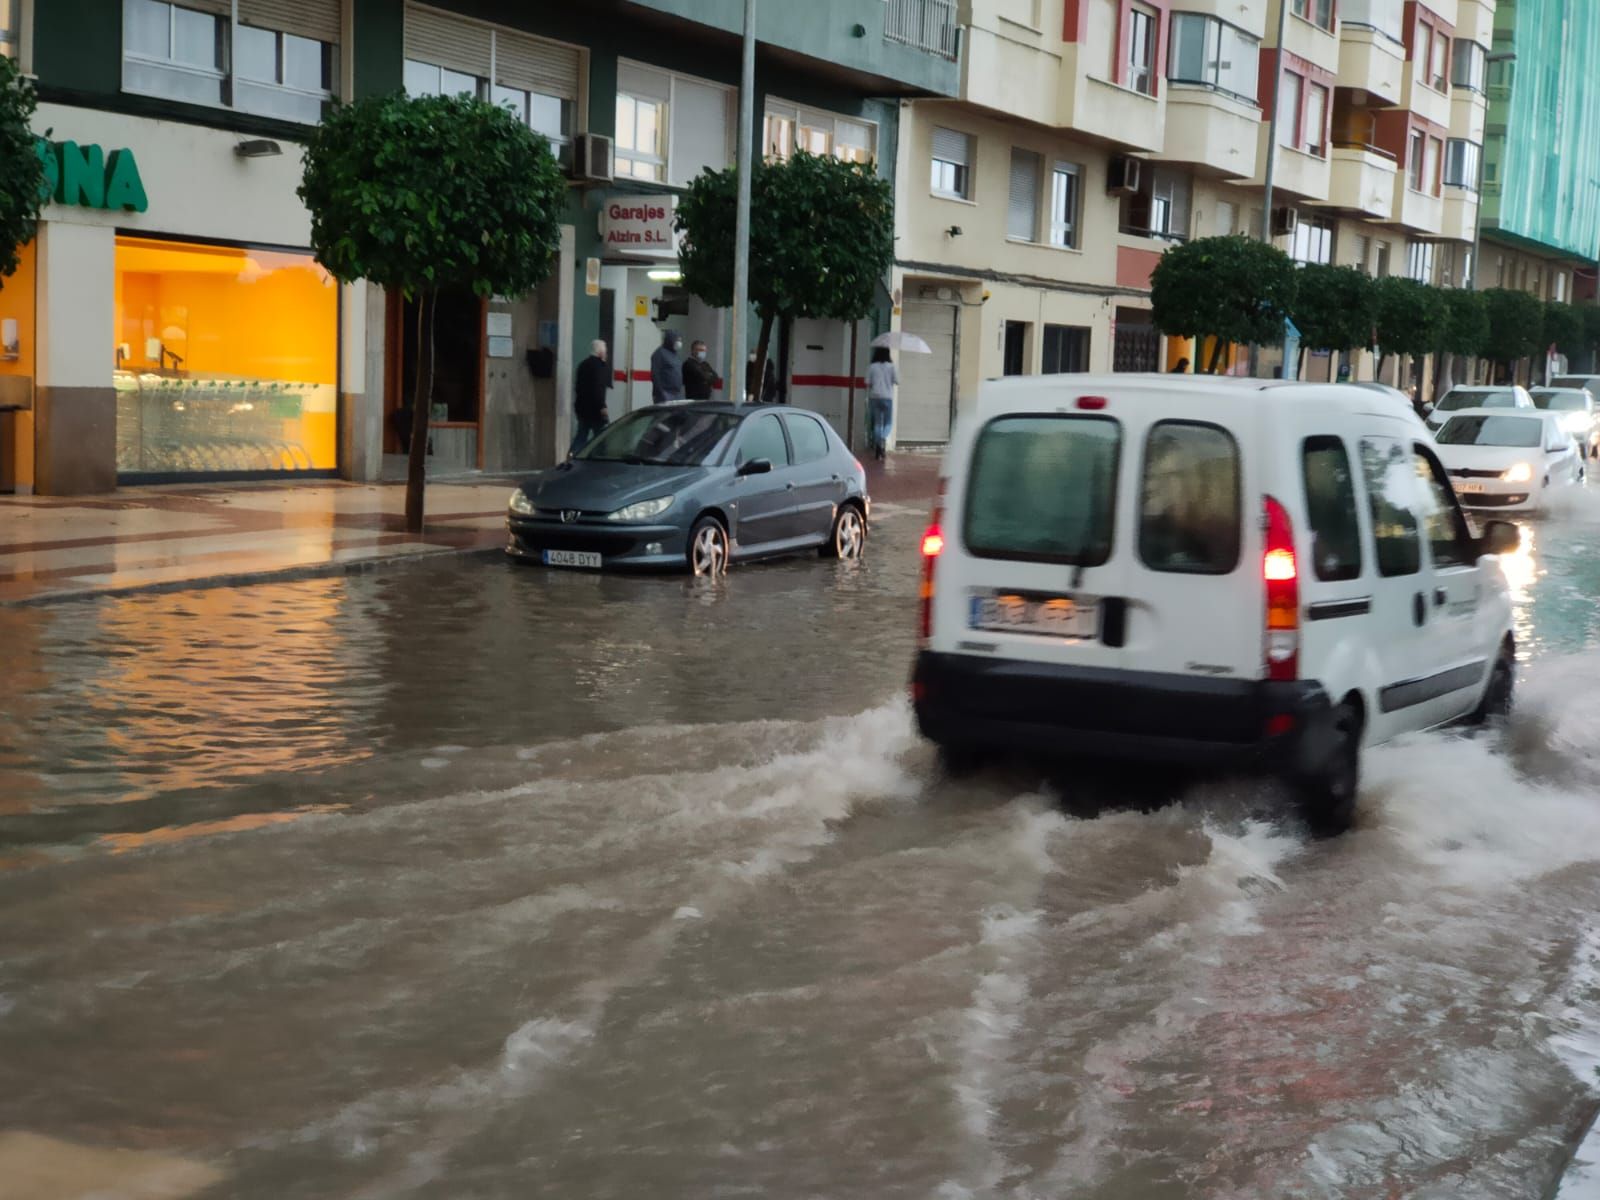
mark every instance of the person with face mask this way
{"type": "Point", "coordinates": [700, 379]}
{"type": "Point", "coordinates": [666, 369]}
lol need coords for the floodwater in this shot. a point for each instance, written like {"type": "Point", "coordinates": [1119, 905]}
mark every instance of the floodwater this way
{"type": "Point", "coordinates": [463, 880]}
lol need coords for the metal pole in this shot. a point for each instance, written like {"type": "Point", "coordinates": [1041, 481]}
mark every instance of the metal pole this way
{"type": "Point", "coordinates": [1272, 152]}
{"type": "Point", "coordinates": [741, 243]}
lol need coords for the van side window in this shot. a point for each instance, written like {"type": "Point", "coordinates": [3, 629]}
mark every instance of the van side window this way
{"type": "Point", "coordinates": [1331, 509]}
{"type": "Point", "coordinates": [1390, 490]}
{"type": "Point", "coordinates": [1044, 489]}
{"type": "Point", "coordinates": [1448, 537]}
{"type": "Point", "coordinates": [1189, 508]}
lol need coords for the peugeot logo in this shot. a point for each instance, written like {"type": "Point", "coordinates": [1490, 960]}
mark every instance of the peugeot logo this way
{"type": "Point", "coordinates": [569, 515]}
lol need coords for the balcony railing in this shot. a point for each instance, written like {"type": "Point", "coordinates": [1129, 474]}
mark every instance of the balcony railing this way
{"type": "Point", "coordinates": [929, 25]}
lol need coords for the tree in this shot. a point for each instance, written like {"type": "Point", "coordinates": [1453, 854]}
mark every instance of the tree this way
{"type": "Point", "coordinates": [421, 194]}
{"type": "Point", "coordinates": [22, 182]}
{"type": "Point", "coordinates": [1407, 317]}
{"type": "Point", "coordinates": [1232, 289]}
{"type": "Point", "coordinates": [821, 240]}
{"type": "Point", "coordinates": [1563, 327]}
{"type": "Point", "coordinates": [1591, 330]}
{"type": "Point", "coordinates": [1516, 325]}
{"type": "Point", "coordinates": [1465, 329]}
{"type": "Point", "coordinates": [1333, 308]}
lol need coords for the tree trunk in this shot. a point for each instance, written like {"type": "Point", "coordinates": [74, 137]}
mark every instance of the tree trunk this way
{"type": "Point", "coordinates": [422, 405]}
{"type": "Point", "coordinates": [1300, 363]}
{"type": "Point", "coordinates": [1216, 356]}
{"type": "Point", "coordinates": [762, 339]}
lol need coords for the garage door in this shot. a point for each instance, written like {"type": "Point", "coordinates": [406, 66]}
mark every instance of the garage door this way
{"type": "Point", "coordinates": [927, 381]}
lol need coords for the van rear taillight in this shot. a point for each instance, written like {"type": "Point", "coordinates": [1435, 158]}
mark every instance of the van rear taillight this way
{"type": "Point", "coordinates": [932, 547]}
{"type": "Point", "coordinates": [1281, 572]}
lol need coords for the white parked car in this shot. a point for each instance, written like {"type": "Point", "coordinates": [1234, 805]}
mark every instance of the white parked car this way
{"type": "Point", "coordinates": [1576, 408]}
{"type": "Point", "coordinates": [1459, 398]}
{"type": "Point", "coordinates": [1230, 572]}
{"type": "Point", "coordinates": [1508, 460]}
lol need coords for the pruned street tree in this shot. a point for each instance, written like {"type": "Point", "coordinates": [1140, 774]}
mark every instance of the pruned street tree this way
{"type": "Point", "coordinates": [1232, 289]}
{"type": "Point", "coordinates": [821, 240]}
{"type": "Point", "coordinates": [1333, 309]}
{"type": "Point", "coordinates": [1563, 327]}
{"type": "Point", "coordinates": [1407, 317]}
{"type": "Point", "coordinates": [1516, 326]}
{"type": "Point", "coordinates": [22, 182]}
{"type": "Point", "coordinates": [1464, 331]}
{"type": "Point", "coordinates": [423, 194]}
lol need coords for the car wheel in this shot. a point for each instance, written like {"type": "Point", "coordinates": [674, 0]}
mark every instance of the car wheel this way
{"type": "Point", "coordinates": [708, 547]}
{"type": "Point", "coordinates": [1499, 693]}
{"type": "Point", "coordinates": [1328, 795]}
{"type": "Point", "coordinates": [849, 537]}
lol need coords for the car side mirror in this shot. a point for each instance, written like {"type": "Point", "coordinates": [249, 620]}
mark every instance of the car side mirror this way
{"type": "Point", "coordinates": [1499, 537]}
{"type": "Point", "coordinates": [756, 466]}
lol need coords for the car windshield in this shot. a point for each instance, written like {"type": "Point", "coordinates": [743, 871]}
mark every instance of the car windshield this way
{"type": "Point", "coordinates": [1503, 398]}
{"type": "Point", "coordinates": [663, 437]}
{"type": "Point", "coordinates": [1559, 401]}
{"type": "Point", "coordinates": [1521, 432]}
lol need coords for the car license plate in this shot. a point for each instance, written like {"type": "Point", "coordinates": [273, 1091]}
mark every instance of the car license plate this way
{"type": "Point", "coordinates": [571, 558]}
{"type": "Point", "coordinates": [1044, 616]}
{"type": "Point", "coordinates": [1470, 489]}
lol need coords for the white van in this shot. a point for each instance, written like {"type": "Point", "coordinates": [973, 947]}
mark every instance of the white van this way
{"type": "Point", "coordinates": [1209, 571]}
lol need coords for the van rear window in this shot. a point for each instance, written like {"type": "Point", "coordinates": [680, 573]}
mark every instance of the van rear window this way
{"type": "Point", "coordinates": [1043, 489]}
{"type": "Point", "coordinates": [1189, 510]}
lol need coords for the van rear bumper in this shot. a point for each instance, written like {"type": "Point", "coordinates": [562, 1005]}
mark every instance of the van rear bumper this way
{"type": "Point", "coordinates": [966, 702]}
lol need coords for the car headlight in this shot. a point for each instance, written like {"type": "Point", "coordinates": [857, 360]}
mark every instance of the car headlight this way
{"type": "Point", "coordinates": [1576, 422]}
{"type": "Point", "coordinates": [642, 511]}
{"type": "Point", "coordinates": [1521, 473]}
{"type": "Point", "coordinates": [520, 503]}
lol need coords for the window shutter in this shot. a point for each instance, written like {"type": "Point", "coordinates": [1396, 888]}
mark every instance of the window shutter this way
{"type": "Point", "coordinates": [220, 8]}
{"type": "Point", "coordinates": [1022, 216]}
{"type": "Point", "coordinates": [950, 146]}
{"type": "Point", "coordinates": [318, 19]}
{"type": "Point", "coordinates": [446, 41]}
{"type": "Point", "coordinates": [535, 65]}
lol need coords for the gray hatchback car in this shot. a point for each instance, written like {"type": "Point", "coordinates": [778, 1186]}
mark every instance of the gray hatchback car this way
{"type": "Point", "coordinates": [695, 485]}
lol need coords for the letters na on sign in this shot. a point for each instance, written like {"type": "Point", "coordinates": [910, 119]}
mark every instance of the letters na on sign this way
{"type": "Point", "coordinates": [89, 177]}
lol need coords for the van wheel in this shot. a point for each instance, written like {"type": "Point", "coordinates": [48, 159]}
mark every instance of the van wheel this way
{"type": "Point", "coordinates": [1328, 796]}
{"type": "Point", "coordinates": [1499, 693]}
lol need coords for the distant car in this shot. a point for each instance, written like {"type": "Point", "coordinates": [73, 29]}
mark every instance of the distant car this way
{"type": "Point", "coordinates": [1459, 398]}
{"type": "Point", "coordinates": [1508, 460]}
{"type": "Point", "coordinates": [1576, 408]}
{"type": "Point", "coordinates": [696, 486]}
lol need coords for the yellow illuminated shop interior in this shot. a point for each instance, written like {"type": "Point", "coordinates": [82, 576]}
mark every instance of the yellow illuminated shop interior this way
{"type": "Point", "coordinates": [227, 359]}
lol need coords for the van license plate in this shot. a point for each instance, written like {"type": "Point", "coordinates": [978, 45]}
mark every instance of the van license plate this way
{"type": "Point", "coordinates": [1044, 616]}
{"type": "Point", "coordinates": [571, 558]}
{"type": "Point", "coordinates": [1471, 489]}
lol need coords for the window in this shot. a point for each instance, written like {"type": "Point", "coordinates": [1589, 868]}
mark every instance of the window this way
{"type": "Point", "coordinates": [1014, 354]}
{"type": "Point", "coordinates": [763, 438]}
{"type": "Point", "coordinates": [1380, 269]}
{"type": "Point", "coordinates": [952, 159]}
{"type": "Point", "coordinates": [1463, 160]}
{"type": "Point", "coordinates": [1318, 12]}
{"type": "Point", "coordinates": [173, 52]}
{"type": "Point", "coordinates": [787, 128]}
{"type": "Point", "coordinates": [640, 152]}
{"type": "Point", "coordinates": [1289, 89]}
{"type": "Point", "coordinates": [282, 74]}
{"type": "Point", "coordinates": [1414, 154]}
{"type": "Point", "coordinates": [1189, 508]}
{"type": "Point", "coordinates": [1449, 542]}
{"type": "Point", "coordinates": [1065, 190]}
{"type": "Point", "coordinates": [1419, 261]}
{"type": "Point", "coordinates": [1313, 241]}
{"type": "Point", "coordinates": [1386, 16]}
{"type": "Point", "coordinates": [10, 25]}
{"type": "Point", "coordinates": [1022, 212]}
{"type": "Point", "coordinates": [1316, 131]}
{"type": "Point", "coordinates": [1142, 50]}
{"type": "Point", "coordinates": [1439, 65]}
{"type": "Point", "coordinates": [1363, 262]}
{"type": "Point", "coordinates": [1044, 489]}
{"type": "Point", "coordinates": [1469, 65]}
{"type": "Point", "coordinates": [1389, 497]}
{"type": "Point", "coordinates": [1066, 350]}
{"type": "Point", "coordinates": [670, 127]}
{"type": "Point", "coordinates": [1331, 509]}
{"type": "Point", "coordinates": [1208, 51]}
{"type": "Point", "coordinates": [1432, 164]}
{"type": "Point", "coordinates": [228, 359]}
{"type": "Point", "coordinates": [777, 136]}
{"type": "Point", "coordinates": [1160, 208]}
{"type": "Point", "coordinates": [1225, 219]}
{"type": "Point", "coordinates": [425, 79]}
{"type": "Point", "coordinates": [809, 438]}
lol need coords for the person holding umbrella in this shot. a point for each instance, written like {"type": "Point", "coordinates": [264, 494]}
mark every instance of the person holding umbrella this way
{"type": "Point", "coordinates": [881, 381]}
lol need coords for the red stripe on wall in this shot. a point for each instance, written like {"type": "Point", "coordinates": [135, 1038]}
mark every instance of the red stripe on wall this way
{"type": "Point", "coordinates": [644, 377]}
{"type": "Point", "coordinates": [826, 381]}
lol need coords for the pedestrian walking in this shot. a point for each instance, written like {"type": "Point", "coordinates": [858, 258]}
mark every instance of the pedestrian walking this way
{"type": "Point", "coordinates": [666, 369]}
{"type": "Point", "coordinates": [589, 408]}
{"type": "Point", "coordinates": [700, 379]}
{"type": "Point", "coordinates": [768, 392]}
{"type": "Point", "coordinates": [1181, 367]}
{"type": "Point", "coordinates": [881, 381]}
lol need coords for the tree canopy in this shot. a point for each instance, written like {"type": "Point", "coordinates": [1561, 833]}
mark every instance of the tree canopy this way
{"type": "Point", "coordinates": [1408, 316]}
{"type": "Point", "coordinates": [1465, 328]}
{"type": "Point", "coordinates": [1516, 325]}
{"type": "Point", "coordinates": [1232, 289]}
{"type": "Point", "coordinates": [1563, 327]}
{"type": "Point", "coordinates": [1333, 308]}
{"type": "Point", "coordinates": [22, 182]}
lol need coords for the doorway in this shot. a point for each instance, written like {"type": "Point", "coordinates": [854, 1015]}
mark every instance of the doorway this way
{"type": "Point", "coordinates": [455, 427]}
{"type": "Point", "coordinates": [1015, 361]}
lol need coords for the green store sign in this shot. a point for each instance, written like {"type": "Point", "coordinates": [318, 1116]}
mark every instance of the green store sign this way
{"type": "Point", "coordinates": [89, 177]}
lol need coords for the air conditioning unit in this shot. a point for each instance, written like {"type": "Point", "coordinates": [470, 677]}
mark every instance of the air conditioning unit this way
{"type": "Point", "coordinates": [1284, 221]}
{"type": "Point", "coordinates": [591, 157]}
{"type": "Point", "coordinates": [1122, 179]}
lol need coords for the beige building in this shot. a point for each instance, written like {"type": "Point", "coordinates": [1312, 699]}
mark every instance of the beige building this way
{"type": "Point", "coordinates": [1090, 135]}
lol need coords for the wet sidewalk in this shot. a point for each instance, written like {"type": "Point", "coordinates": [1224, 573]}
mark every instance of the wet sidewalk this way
{"type": "Point", "coordinates": [187, 535]}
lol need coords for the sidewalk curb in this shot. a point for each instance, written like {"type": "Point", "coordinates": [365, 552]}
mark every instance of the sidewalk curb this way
{"type": "Point", "coordinates": [320, 570]}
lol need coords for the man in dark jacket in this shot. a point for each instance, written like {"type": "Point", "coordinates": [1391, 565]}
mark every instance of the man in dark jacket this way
{"type": "Point", "coordinates": [666, 369]}
{"type": "Point", "coordinates": [699, 376]}
{"type": "Point", "coordinates": [589, 400]}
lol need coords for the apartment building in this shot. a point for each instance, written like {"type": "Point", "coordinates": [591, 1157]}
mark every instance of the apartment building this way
{"type": "Point", "coordinates": [169, 320]}
{"type": "Point", "coordinates": [1090, 135]}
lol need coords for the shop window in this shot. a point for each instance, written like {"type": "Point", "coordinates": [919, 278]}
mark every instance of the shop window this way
{"type": "Point", "coordinates": [227, 359]}
{"type": "Point", "coordinates": [952, 164]}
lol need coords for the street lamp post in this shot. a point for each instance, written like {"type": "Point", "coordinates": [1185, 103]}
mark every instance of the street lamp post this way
{"type": "Point", "coordinates": [1272, 153]}
{"type": "Point", "coordinates": [741, 242]}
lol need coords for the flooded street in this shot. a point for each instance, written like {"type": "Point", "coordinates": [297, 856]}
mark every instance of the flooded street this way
{"type": "Point", "coordinates": [464, 880]}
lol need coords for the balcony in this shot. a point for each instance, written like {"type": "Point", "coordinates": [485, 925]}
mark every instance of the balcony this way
{"type": "Point", "coordinates": [1475, 21]}
{"type": "Point", "coordinates": [1468, 112]}
{"type": "Point", "coordinates": [1372, 63]}
{"type": "Point", "coordinates": [1416, 211]}
{"type": "Point", "coordinates": [1296, 174]}
{"type": "Point", "coordinates": [1421, 98]}
{"type": "Point", "coordinates": [1001, 72]}
{"type": "Point", "coordinates": [927, 25]}
{"type": "Point", "coordinates": [1309, 41]}
{"type": "Point", "coordinates": [1211, 130]}
{"type": "Point", "coordinates": [1361, 181]}
{"type": "Point", "coordinates": [1108, 111]}
{"type": "Point", "coordinates": [1459, 221]}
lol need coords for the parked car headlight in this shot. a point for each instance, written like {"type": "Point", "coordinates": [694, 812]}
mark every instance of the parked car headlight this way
{"type": "Point", "coordinates": [643, 510]}
{"type": "Point", "coordinates": [521, 504]}
{"type": "Point", "coordinates": [1521, 473]}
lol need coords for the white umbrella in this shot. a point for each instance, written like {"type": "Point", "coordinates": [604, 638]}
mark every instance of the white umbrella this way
{"type": "Point", "coordinates": [898, 339]}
